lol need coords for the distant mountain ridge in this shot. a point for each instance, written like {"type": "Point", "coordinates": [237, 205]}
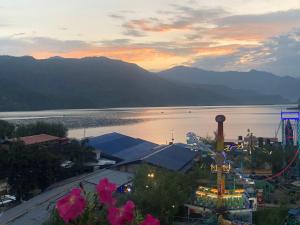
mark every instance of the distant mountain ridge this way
{"type": "Point", "coordinates": [258, 81]}
{"type": "Point", "coordinates": [98, 82]}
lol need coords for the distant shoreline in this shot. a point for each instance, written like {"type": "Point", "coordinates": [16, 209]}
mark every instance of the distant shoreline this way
{"type": "Point", "coordinates": [143, 107]}
{"type": "Point", "coordinates": [108, 117]}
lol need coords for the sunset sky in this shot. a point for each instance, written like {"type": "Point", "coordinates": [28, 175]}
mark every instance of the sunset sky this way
{"type": "Point", "coordinates": [158, 34]}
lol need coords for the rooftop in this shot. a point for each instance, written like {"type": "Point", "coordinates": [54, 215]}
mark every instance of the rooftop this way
{"type": "Point", "coordinates": [39, 138]}
{"type": "Point", "coordinates": [37, 210]}
{"type": "Point", "coordinates": [122, 146]}
{"type": "Point", "coordinates": [137, 151]}
{"type": "Point", "coordinates": [177, 157]}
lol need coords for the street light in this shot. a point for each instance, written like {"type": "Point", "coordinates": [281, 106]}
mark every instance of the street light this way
{"type": "Point", "coordinates": [151, 175]}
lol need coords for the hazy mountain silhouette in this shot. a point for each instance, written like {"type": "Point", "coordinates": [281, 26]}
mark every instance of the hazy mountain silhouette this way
{"type": "Point", "coordinates": [94, 82]}
{"type": "Point", "coordinates": [258, 81]}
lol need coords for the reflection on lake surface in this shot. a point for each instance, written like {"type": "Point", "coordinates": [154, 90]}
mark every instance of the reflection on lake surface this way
{"type": "Point", "coordinates": [156, 124]}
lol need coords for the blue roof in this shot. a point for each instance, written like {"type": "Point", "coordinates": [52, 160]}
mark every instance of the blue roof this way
{"type": "Point", "coordinates": [122, 146]}
{"type": "Point", "coordinates": [137, 152]}
{"type": "Point", "coordinates": [294, 212]}
{"type": "Point", "coordinates": [173, 157]}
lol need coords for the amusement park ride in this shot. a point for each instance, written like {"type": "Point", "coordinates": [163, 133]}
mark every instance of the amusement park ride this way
{"type": "Point", "coordinates": [290, 132]}
{"type": "Point", "coordinates": [221, 200]}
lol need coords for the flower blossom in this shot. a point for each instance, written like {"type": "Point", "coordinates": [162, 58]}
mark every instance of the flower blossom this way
{"type": "Point", "coordinates": [105, 190]}
{"type": "Point", "coordinates": [150, 220]}
{"type": "Point", "coordinates": [71, 206]}
{"type": "Point", "coordinates": [120, 216]}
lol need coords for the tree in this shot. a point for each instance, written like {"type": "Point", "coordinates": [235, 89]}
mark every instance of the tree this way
{"type": "Point", "coordinates": [77, 152]}
{"type": "Point", "coordinates": [4, 164]}
{"type": "Point", "coordinates": [55, 129]}
{"type": "Point", "coordinates": [273, 216]}
{"type": "Point", "coordinates": [161, 193]}
{"type": "Point", "coordinates": [31, 167]}
{"type": "Point", "coordinates": [277, 157]}
{"type": "Point", "coordinates": [6, 129]}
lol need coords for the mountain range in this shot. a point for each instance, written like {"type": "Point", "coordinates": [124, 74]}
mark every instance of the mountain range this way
{"type": "Point", "coordinates": [258, 81]}
{"type": "Point", "coordinates": [98, 82]}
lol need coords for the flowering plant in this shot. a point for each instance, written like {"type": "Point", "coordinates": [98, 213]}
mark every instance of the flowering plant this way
{"type": "Point", "coordinates": [79, 208]}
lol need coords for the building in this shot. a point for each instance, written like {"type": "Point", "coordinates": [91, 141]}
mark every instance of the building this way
{"type": "Point", "coordinates": [40, 139]}
{"type": "Point", "coordinates": [129, 153]}
{"type": "Point", "coordinates": [175, 157]}
{"type": "Point", "coordinates": [120, 147]}
{"type": "Point", "coordinates": [255, 141]}
{"type": "Point", "coordinates": [38, 209]}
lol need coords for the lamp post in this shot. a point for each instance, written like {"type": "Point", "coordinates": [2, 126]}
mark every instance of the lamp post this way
{"type": "Point", "coordinates": [151, 175]}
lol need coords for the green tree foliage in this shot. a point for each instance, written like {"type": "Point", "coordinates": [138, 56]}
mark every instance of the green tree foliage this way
{"type": "Point", "coordinates": [271, 154]}
{"type": "Point", "coordinates": [55, 129]}
{"type": "Point", "coordinates": [77, 152]}
{"type": "Point", "coordinates": [198, 172]}
{"type": "Point", "coordinates": [162, 194]}
{"type": "Point", "coordinates": [6, 129]}
{"type": "Point", "coordinates": [273, 216]}
{"type": "Point", "coordinates": [4, 163]}
{"type": "Point", "coordinates": [31, 167]}
{"type": "Point", "coordinates": [277, 157]}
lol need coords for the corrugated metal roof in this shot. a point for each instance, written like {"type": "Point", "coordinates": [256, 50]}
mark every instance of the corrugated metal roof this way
{"type": "Point", "coordinates": [122, 146]}
{"type": "Point", "coordinates": [36, 210]}
{"type": "Point", "coordinates": [137, 152]}
{"type": "Point", "coordinates": [106, 137]}
{"type": "Point", "coordinates": [113, 143]}
{"type": "Point", "coordinates": [113, 176]}
{"type": "Point", "coordinates": [173, 157]}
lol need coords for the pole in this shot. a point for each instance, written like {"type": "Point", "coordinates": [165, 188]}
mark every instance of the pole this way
{"type": "Point", "coordinates": [220, 160]}
{"type": "Point", "coordinates": [283, 141]}
{"type": "Point", "coordinates": [298, 148]}
{"type": "Point", "coordinates": [233, 182]}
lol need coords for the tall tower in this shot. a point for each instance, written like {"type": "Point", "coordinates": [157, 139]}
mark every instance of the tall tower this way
{"type": "Point", "coordinates": [290, 127]}
{"type": "Point", "coordinates": [289, 134]}
{"type": "Point", "coordinates": [219, 200]}
{"type": "Point", "coordinates": [220, 160]}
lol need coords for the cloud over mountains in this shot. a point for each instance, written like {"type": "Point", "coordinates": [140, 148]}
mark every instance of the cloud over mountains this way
{"type": "Point", "coordinates": [214, 36]}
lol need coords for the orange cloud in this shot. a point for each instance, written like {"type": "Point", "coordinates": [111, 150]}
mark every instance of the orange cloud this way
{"type": "Point", "coordinates": [217, 51]}
{"type": "Point", "coordinates": [149, 58]}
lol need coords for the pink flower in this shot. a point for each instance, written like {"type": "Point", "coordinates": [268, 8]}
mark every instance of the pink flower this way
{"type": "Point", "coordinates": [71, 206]}
{"type": "Point", "coordinates": [150, 220]}
{"type": "Point", "coordinates": [120, 216]}
{"type": "Point", "coordinates": [105, 190]}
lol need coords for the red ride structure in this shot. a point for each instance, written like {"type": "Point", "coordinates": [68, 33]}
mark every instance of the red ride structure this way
{"type": "Point", "coordinates": [290, 134]}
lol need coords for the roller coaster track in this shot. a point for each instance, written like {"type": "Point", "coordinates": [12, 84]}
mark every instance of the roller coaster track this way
{"type": "Point", "coordinates": [280, 173]}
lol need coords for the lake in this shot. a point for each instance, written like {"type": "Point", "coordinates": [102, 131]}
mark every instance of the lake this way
{"type": "Point", "coordinates": [157, 124]}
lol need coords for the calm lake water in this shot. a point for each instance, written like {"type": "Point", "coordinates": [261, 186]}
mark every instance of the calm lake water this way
{"type": "Point", "coordinates": [157, 124]}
